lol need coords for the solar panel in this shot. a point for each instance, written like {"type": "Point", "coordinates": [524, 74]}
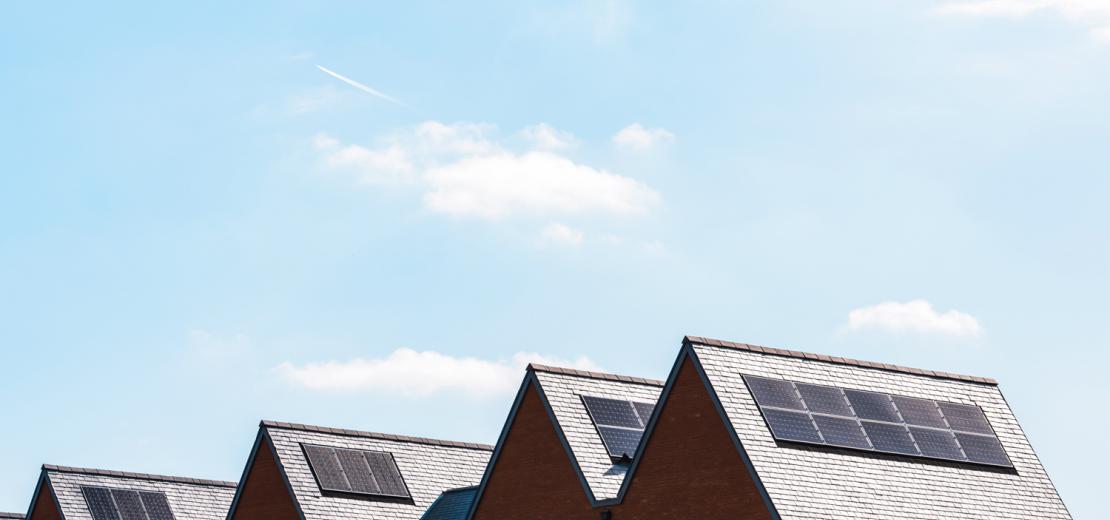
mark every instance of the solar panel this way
{"type": "Point", "coordinates": [775, 392]}
{"type": "Point", "coordinates": [126, 504]}
{"type": "Point", "coordinates": [359, 472]}
{"type": "Point", "coordinates": [157, 508]}
{"type": "Point", "coordinates": [965, 418]}
{"type": "Point", "coordinates": [920, 412]}
{"type": "Point", "coordinates": [387, 474]}
{"type": "Point", "coordinates": [620, 423]}
{"type": "Point", "coordinates": [873, 421]}
{"type": "Point", "coordinates": [792, 426]}
{"type": "Point", "coordinates": [983, 449]}
{"type": "Point", "coordinates": [100, 503]}
{"type": "Point", "coordinates": [841, 431]}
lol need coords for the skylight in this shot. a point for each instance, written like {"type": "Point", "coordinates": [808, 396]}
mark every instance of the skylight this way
{"type": "Point", "coordinates": [872, 421]}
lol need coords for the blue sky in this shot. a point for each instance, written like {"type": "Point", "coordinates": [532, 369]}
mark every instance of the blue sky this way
{"type": "Point", "coordinates": [200, 228]}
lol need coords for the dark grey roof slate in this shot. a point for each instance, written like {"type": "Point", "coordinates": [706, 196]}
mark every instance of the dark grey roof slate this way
{"type": "Point", "coordinates": [453, 504]}
{"type": "Point", "coordinates": [837, 360]}
{"type": "Point", "coordinates": [594, 375]}
{"type": "Point", "coordinates": [142, 476]}
{"type": "Point", "coordinates": [189, 499]}
{"type": "Point", "coordinates": [374, 435]}
{"type": "Point", "coordinates": [14, 516]}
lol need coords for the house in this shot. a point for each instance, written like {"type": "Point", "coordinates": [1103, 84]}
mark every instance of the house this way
{"type": "Point", "coordinates": [453, 504]}
{"type": "Point", "coordinates": [65, 493]}
{"type": "Point", "coordinates": [302, 472]}
{"type": "Point", "coordinates": [742, 431]}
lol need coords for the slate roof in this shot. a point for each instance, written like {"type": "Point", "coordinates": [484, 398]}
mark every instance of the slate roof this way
{"type": "Point", "coordinates": [14, 516]}
{"type": "Point", "coordinates": [189, 499]}
{"type": "Point", "coordinates": [428, 466]}
{"type": "Point", "coordinates": [453, 504]}
{"type": "Point", "coordinates": [811, 483]}
{"type": "Point", "coordinates": [562, 389]}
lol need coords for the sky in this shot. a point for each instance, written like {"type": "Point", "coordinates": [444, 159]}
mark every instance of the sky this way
{"type": "Point", "coordinates": [373, 216]}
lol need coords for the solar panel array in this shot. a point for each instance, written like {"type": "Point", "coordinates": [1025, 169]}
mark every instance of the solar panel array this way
{"type": "Point", "coordinates": [361, 472]}
{"type": "Point", "coordinates": [620, 423]}
{"type": "Point", "coordinates": [126, 504]}
{"type": "Point", "coordinates": [872, 421]}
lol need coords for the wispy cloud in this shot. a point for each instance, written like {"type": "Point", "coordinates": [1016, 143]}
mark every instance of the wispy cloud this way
{"type": "Point", "coordinates": [466, 172]}
{"type": "Point", "coordinates": [414, 373]}
{"type": "Point", "coordinates": [916, 316]}
{"type": "Point", "coordinates": [543, 136]}
{"type": "Point", "coordinates": [1094, 15]}
{"type": "Point", "coordinates": [636, 137]}
{"type": "Point", "coordinates": [363, 87]}
{"type": "Point", "coordinates": [562, 234]}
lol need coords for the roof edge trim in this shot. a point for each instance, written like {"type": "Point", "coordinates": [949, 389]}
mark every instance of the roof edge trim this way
{"type": "Point", "coordinates": [709, 342]}
{"type": "Point", "coordinates": [139, 476]}
{"type": "Point", "coordinates": [535, 367]}
{"type": "Point", "coordinates": [374, 435]}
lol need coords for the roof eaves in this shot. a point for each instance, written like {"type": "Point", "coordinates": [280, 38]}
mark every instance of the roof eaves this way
{"type": "Point", "coordinates": [374, 435]}
{"type": "Point", "coordinates": [140, 476]}
{"type": "Point", "coordinates": [535, 367]}
{"type": "Point", "coordinates": [838, 360]}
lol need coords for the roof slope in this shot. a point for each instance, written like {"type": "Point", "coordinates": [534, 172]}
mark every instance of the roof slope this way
{"type": "Point", "coordinates": [810, 483]}
{"type": "Point", "coordinates": [14, 516]}
{"type": "Point", "coordinates": [453, 504]}
{"type": "Point", "coordinates": [562, 389]}
{"type": "Point", "coordinates": [190, 499]}
{"type": "Point", "coordinates": [428, 466]}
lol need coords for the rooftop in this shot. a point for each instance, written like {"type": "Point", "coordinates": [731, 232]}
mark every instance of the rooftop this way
{"type": "Point", "coordinates": [141, 476]}
{"type": "Point", "coordinates": [374, 435]}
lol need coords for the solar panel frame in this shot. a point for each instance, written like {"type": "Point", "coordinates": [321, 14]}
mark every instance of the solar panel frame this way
{"type": "Point", "coordinates": [156, 505]}
{"type": "Point", "coordinates": [378, 468]}
{"type": "Point", "coordinates": [619, 422]}
{"type": "Point", "coordinates": [914, 427]}
{"type": "Point", "coordinates": [100, 503]}
{"type": "Point", "coordinates": [387, 474]}
{"type": "Point", "coordinates": [325, 466]}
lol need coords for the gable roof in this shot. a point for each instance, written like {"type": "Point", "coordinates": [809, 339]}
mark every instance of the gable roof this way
{"type": "Point", "coordinates": [188, 498]}
{"type": "Point", "coordinates": [453, 504]}
{"type": "Point", "coordinates": [428, 467]}
{"type": "Point", "coordinates": [561, 390]}
{"type": "Point", "coordinates": [14, 516]}
{"type": "Point", "coordinates": [817, 482]}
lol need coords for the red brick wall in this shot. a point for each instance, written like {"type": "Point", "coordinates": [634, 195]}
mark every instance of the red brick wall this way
{"type": "Point", "coordinates": [264, 495]}
{"type": "Point", "coordinates": [690, 467]}
{"type": "Point", "coordinates": [45, 507]}
{"type": "Point", "coordinates": [533, 478]}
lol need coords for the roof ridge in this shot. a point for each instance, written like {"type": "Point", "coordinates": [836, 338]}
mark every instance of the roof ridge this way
{"type": "Point", "coordinates": [709, 342]}
{"type": "Point", "coordinates": [373, 435]}
{"type": "Point", "coordinates": [142, 476]}
{"type": "Point", "coordinates": [11, 515]}
{"type": "Point", "coordinates": [536, 367]}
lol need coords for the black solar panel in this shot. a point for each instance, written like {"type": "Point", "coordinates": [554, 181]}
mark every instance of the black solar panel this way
{"type": "Point", "coordinates": [157, 508]}
{"type": "Point", "coordinates": [129, 505]}
{"type": "Point", "coordinates": [325, 464]}
{"type": "Point", "coordinates": [841, 431]}
{"type": "Point", "coordinates": [792, 426]}
{"type": "Point", "coordinates": [357, 472]}
{"type": "Point", "coordinates": [620, 423]}
{"type": "Point", "coordinates": [774, 392]}
{"type": "Point", "coordinates": [387, 474]}
{"type": "Point", "coordinates": [920, 412]}
{"type": "Point", "coordinates": [873, 406]}
{"type": "Point", "coordinates": [612, 412]}
{"type": "Point", "coordinates": [965, 418]}
{"type": "Point", "coordinates": [984, 449]}
{"type": "Point", "coordinates": [824, 399]}
{"type": "Point", "coordinates": [872, 421]}
{"type": "Point", "coordinates": [361, 472]}
{"type": "Point", "coordinates": [100, 503]}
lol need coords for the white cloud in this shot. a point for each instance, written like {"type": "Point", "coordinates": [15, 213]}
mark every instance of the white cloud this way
{"type": "Point", "coordinates": [536, 183]}
{"type": "Point", "coordinates": [545, 137]}
{"type": "Point", "coordinates": [556, 233]}
{"type": "Point", "coordinates": [636, 137]}
{"type": "Point", "coordinates": [409, 372]}
{"type": "Point", "coordinates": [466, 172]}
{"type": "Point", "coordinates": [916, 316]}
{"type": "Point", "coordinates": [1094, 15]}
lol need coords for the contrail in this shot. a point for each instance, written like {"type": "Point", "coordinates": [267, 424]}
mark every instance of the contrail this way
{"type": "Point", "coordinates": [360, 86]}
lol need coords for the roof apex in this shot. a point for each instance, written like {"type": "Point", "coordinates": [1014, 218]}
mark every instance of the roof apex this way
{"type": "Point", "coordinates": [698, 340]}
{"type": "Point", "coordinates": [373, 435]}
{"type": "Point", "coordinates": [536, 367]}
{"type": "Point", "coordinates": [140, 476]}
